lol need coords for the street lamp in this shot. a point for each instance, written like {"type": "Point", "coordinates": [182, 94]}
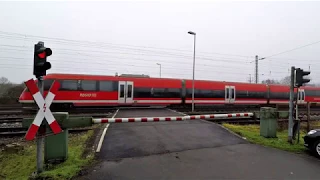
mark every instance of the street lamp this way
{"type": "Point", "coordinates": [160, 68]}
{"type": "Point", "coordinates": [194, 59]}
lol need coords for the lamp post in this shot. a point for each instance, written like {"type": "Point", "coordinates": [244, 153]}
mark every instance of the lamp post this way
{"type": "Point", "coordinates": [194, 59]}
{"type": "Point", "coordinates": [160, 68]}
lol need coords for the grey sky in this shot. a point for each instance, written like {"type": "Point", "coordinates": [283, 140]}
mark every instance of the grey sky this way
{"type": "Point", "coordinates": [125, 31]}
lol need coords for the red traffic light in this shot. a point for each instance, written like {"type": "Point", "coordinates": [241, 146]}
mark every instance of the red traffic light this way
{"type": "Point", "coordinates": [42, 53]}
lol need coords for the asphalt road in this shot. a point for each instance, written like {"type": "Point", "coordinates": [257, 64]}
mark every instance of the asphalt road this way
{"type": "Point", "coordinates": [191, 150]}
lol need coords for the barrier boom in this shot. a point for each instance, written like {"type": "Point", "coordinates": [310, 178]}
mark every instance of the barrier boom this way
{"type": "Point", "coordinates": [178, 118]}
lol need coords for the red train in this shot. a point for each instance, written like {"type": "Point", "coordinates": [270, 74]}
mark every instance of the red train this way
{"type": "Point", "coordinates": [129, 90]}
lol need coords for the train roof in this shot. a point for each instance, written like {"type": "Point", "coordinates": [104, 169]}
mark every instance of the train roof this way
{"type": "Point", "coordinates": [79, 76]}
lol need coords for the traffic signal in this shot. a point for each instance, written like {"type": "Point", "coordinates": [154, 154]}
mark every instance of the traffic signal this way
{"type": "Point", "coordinates": [40, 64]}
{"type": "Point", "coordinates": [300, 80]}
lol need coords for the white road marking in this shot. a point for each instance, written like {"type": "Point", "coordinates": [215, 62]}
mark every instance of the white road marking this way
{"type": "Point", "coordinates": [104, 133]}
{"type": "Point", "coordinates": [114, 115]}
{"type": "Point", "coordinates": [102, 138]}
{"type": "Point", "coordinates": [177, 112]}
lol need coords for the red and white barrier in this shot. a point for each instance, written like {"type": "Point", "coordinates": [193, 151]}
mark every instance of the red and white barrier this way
{"type": "Point", "coordinates": [179, 118]}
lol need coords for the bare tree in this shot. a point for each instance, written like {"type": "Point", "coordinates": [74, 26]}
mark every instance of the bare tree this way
{"type": "Point", "coordinates": [4, 80]}
{"type": "Point", "coordinates": [9, 92]}
{"type": "Point", "coordinates": [4, 85]}
{"type": "Point", "coordinates": [286, 80]}
{"type": "Point", "coordinates": [270, 81]}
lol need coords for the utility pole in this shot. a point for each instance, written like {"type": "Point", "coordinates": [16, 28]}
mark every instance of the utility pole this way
{"type": "Point", "coordinates": [256, 70]}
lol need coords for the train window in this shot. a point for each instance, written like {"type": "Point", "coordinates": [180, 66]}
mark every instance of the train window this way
{"type": "Point", "coordinates": [207, 93]}
{"type": "Point", "coordinates": [218, 94]}
{"type": "Point", "coordinates": [302, 95]}
{"type": "Point", "coordinates": [129, 91]}
{"type": "Point", "coordinates": [121, 90]}
{"type": "Point", "coordinates": [242, 94]}
{"type": "Point", "coordinates": [189, 93]}
{"type": "Point", "coordinates": [87, 85]}
{"type": "Point", "coordinates": [69, 85]}
{"type": "Point", "coordinates": [197, 93]}
{"type": "Point", "coordinates": [279, 95]}
{"type": "Point", "coordinates": [108, 86]}
{"type": "Point", "coordinates": [142, 92]}
{"type": "Point", "coordinates": [173, 93]}
{"type": "Point", "coordinates": [232, 93]}
{"type": "Point", "coordinates": [47, 84]}
{"type": "Point", "coordinates": [227, 93]}
{"type": "Point", "coordinates": [259, 95]}
{"type": "Point", "coordinates": [311, 93]}
{"type": "Point", "coordinates": [159, 92]}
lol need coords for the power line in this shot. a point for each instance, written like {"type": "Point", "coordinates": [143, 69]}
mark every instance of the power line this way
{"type": "Point", "coordinates": [293, 49]}
{"type": "Point", "coordinates": [25, 36]}
{"type": "Point", "coordinates": [68, 62]}
{"type": "Point", "coordinates": [80, 52]}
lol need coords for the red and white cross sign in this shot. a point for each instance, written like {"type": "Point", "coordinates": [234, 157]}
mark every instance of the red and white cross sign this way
{"type": "Point", "coordinates": [44, 111]}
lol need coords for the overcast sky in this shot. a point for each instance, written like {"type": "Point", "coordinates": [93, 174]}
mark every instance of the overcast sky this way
{"type": "Point", "coordinates": [109, 37]}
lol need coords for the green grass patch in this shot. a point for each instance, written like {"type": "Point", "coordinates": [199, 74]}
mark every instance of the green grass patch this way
{"type": "Point", "coordinates": [252, 134]}
{"type": "Point", "coordinates": [20, 165]}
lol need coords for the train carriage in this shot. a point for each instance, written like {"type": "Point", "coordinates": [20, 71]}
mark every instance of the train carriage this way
{"type": "Point", "coordinates": [132, 90]}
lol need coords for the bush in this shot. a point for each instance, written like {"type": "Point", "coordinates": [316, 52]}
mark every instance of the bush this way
{"type": "Point", "coordinates": [9, 92]}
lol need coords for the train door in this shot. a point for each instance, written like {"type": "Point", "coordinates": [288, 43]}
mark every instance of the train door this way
{"type": "Point", "coordinates": [301, 96]}
{"type": "Point", "coordinates": [230, 94]}
{"type": "Point", "coordinates": [125, 93]}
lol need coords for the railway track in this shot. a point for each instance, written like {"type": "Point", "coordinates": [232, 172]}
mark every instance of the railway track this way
{"type": "Point", "coordinates": [19, 110]}
{"type": "Point", "coordinates": [11, 119]}
{"type": "Point", "coordinates": [14, 132]}
{"type": "Point", "coordinates": [32, 111]}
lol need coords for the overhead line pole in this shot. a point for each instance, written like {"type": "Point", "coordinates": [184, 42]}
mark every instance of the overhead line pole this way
{"type": "Point", "coordinates": [256, 69]}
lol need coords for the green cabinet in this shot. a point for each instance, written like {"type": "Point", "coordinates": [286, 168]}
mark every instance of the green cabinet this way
{"type": "Point", "coordinates": [268, 122]}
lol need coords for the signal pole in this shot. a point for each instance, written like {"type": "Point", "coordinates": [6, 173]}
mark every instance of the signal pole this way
{"type": "Point", "coordinates": [40, 66]}
{"type": "Point", "coordinates": [290, 124]}
{"type": "Point", "coordinates": [40, 138]}
{"type": "Point", "coordinates": [297, 80]}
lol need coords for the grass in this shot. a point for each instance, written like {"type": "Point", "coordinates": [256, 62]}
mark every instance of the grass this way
{"type": "Point", "coordinates": [252, 134]}
{"type": "Point", "coordinates": [21, 165]}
